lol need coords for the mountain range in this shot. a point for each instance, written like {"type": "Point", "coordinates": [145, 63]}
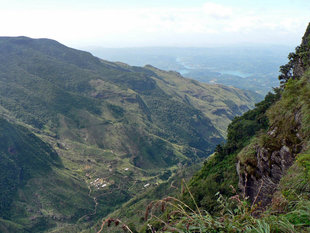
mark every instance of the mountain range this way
{"type": "Point", "coordinates": [81, 135]}
{"type": "Point", "coordinates": [257, 181]}
{"type": "Point", "coordinates": [245, 66]}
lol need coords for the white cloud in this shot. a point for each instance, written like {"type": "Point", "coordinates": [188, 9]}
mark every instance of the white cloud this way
{"type": "Point", "coordinates": [217, 10]}
{"type": "Point", "coordinates": [210, 24]}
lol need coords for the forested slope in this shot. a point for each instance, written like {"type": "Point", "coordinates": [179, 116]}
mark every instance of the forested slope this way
{"type": "Point", "coordinates": [114, 129]}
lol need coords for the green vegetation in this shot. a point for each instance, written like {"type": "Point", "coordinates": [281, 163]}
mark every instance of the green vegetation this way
{"type": "Point", "coordinates": [86, 138]}
{"type": "Point", "coordinates": [219, 170]}
{"type": "Point", "coordinates": [94, 133]}
{"type": "Point", "coordinates": [22, 157]}
{"type": "Point", "coordinates": [246, 67]}
{"type": "Point", "coordinates": [235, 214]}
{"type": "Point", "coordinates": [274, 134]}
{"type": "Point", "coordinates": [294, 104]}
{"type": "Point", "coordinates": [133, 212]}
{"type": "Point", "coordinates": [288, 212]}
{"type": "Point", "coordinates": [299, 61]}
{"type": "Point", "coordinates": [32, 176]}
{"type": "Point", "coordinates": [218, 175]}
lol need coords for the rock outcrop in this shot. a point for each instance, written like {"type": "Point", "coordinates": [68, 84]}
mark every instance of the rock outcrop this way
{"type": "Point", "coordinates": [270, 165]}
{"type": "Point", "coordinates": [262, 164]}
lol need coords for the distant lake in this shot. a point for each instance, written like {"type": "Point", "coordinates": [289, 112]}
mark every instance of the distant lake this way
{"type": "Point", "coordinates": [236, 73]}
{"type": "Point", "coordinates": [183, 72]}
{"type": "Point", "coordinates": [229, 72]}
{"type": "Point", "coordinates": [187, 68]}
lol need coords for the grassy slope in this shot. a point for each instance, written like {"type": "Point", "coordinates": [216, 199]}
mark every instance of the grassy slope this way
{"type": "Point", "coordinates": [219, 171]}
{"type": "Point", "coordinates": [34, 184]}
{"type": "Point", "coordinates": [126, 126]}
{"type": "Point", "coordinates": [290, 209]}
{"type": "Point", "coordinates": [219, 103]}
{"type": "Point", "coordinates": [22, 156]}
{"type": "Point", "coordinates": [133, 211]}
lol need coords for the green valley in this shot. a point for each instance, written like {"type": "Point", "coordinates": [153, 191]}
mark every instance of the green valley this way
{"type": "Point", "coordinates": [80, 136]}
{"type": "Point", "coordinates": [258, 180]}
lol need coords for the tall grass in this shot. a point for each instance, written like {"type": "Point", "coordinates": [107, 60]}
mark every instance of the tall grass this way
{"type": "Point", "coordinates": [234, 215]}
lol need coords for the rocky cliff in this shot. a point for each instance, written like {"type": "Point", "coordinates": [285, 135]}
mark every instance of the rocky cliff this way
{"type": "Point", "coordinates": [262, 164]}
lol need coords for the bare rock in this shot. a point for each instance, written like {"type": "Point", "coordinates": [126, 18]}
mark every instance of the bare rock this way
{"type": "Point", "coordinates": [271, 165]}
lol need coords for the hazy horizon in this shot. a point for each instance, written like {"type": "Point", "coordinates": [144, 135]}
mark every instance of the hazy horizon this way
{"type": "Point", "coordinates": [209, 46]}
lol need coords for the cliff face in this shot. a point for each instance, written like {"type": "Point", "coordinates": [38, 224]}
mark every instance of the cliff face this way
{"type": "Point", "coordinates": [272, 154]}
{"type": "Point", "coordinates": [263, 163]}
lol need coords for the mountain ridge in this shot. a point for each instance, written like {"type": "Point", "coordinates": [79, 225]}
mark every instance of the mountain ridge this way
{"type": "Point", "coordinates": [116, 128]}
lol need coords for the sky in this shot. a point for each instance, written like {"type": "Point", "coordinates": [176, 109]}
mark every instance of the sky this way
{"type": "Point", "coordinates": [144, 23]}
